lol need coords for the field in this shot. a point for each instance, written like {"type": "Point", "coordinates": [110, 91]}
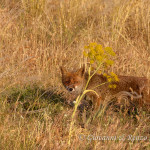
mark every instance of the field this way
{"type": "Point", "coordinates": [38, 36]}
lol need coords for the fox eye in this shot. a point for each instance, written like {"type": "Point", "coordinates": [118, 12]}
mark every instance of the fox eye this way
{"type": "Point", "coordinates": [66, 81]}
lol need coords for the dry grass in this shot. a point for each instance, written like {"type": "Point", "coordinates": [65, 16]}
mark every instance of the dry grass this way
{"type": "Point", "coordinates": [36, 37]}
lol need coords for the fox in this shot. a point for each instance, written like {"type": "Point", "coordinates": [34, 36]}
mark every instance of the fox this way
{"type": "Point", "coordinates": [75, 82]}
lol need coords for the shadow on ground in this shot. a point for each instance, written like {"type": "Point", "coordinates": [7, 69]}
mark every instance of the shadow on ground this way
{"type": "Point", "coordinates": [33, 98]}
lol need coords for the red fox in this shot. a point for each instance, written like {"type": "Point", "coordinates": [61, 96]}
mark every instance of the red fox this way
{"type": "Point", "coordinates": [75, 83]}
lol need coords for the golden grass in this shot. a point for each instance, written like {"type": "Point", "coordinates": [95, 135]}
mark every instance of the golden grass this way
{"type": "Point", "coordinates": [36, 37]}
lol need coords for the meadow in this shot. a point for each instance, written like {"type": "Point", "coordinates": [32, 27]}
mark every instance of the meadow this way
{"type": "Point", "coordinates": [39, 36]}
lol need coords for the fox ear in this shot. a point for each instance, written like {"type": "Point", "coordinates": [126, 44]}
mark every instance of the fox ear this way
{"type": "Point", "coordinates": [81, 71]}
{"type": "Point", "coordinates": [63, 70]}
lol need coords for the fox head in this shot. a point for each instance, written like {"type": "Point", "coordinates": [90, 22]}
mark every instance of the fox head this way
{"type": "Point", "coordinates": [73, 81]}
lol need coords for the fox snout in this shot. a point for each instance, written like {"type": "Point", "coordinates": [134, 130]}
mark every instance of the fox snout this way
{"type": "Point", "coordinates": [71, 88]}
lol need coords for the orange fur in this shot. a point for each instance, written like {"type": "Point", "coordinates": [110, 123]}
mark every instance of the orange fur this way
{"type": "Point", "coordinates": [75, 82]}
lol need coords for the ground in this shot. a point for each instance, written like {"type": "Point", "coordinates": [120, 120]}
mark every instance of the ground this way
{"type": "Point", "coordinates": [37, 38]}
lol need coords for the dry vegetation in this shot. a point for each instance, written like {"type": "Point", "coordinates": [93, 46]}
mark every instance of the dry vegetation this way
{"type": "Point", "coordinates": [36, 37]}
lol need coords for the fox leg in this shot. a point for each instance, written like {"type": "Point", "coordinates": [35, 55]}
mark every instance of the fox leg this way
{"type": "Point", "coordinates": [96, 102]}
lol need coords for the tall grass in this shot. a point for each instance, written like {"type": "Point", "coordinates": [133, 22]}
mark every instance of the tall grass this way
{"type": "Point", "coordinates": [36, 37]}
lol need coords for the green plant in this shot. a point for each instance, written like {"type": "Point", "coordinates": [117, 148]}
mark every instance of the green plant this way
{"type": "Point", "coordinates": [100, 59]}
